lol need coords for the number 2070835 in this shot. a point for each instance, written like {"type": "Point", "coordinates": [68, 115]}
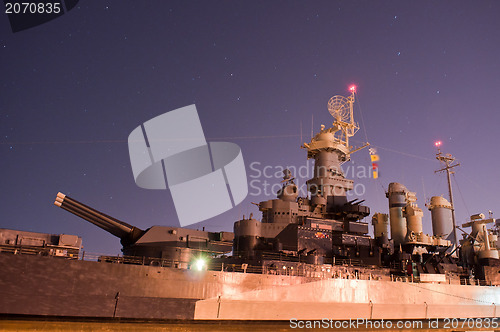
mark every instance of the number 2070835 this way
{"type": "Point", "coordinates": [32, 8]}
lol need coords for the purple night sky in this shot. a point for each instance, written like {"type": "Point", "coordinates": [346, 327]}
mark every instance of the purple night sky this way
{"type": "Point", "coordinates": [74, 88]}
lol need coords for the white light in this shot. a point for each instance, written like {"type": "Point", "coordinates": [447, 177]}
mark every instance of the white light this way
{"type": "Point", "coordinates": [200, 264]}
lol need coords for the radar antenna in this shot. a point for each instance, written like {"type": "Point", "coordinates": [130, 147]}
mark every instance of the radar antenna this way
{"type": "Point", "coordinates": [341, 109]}
{"type": "Point", "coordinates": [337, 137]}
{"type": "Point", "coordinates": [338, 106]}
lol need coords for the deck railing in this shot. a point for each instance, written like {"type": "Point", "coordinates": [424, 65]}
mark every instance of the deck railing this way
{"type": "Point", "coordinates": [284, 265]}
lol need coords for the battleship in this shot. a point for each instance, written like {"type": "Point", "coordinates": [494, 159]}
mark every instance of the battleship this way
{"type": "Point", "coordinates": [305, 258]}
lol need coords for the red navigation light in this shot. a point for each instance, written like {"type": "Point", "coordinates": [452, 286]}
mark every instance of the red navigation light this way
{"type": "Point", "coordinates": [438, 143]}
{"type": "Point", "coordinates": [352, 88]}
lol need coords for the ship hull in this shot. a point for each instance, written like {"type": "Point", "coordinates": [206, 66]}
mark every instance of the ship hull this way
{"type": "Point", "coordinates": [49, 286]}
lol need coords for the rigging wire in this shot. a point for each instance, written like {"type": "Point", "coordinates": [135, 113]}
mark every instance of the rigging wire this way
{"type": "Point", "coordinates": [361, 115]}
{"type": "Point", "coordinates": [439, 184]}
{"type": "Point", "coordinates": [423, 187]}
{"type": "Point", "coordinates": [471, 181]}
{"type": "Point", "coordinates": [403, 153]}
{"type": "Point", "coordinates": [461, 195]}
{"type": "Point", "coordinates": [208, 138]}
{"type": "Point", "coordinates": [125, 141]}
{"type": "Point", "coordinates": [377, 180]}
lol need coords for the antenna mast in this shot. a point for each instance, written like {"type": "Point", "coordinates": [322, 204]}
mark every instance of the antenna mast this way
{"type": "Point", "coordinates": [341, 108]}
{"type": "Point", "coordinates": [448, 160]}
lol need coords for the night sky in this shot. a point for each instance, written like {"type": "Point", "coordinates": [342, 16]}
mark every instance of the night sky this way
{"type": "Point", "coordinates": [74, 88]}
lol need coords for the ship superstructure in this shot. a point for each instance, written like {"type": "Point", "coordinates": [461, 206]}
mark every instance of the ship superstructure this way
{"type": "Point", "coordinates": [313, 250]}
{"type": "Point", "coordinates": [326, 227]}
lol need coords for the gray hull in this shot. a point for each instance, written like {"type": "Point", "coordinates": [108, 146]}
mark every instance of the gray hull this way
{"type": "Point", "coordinates": [33, 285]}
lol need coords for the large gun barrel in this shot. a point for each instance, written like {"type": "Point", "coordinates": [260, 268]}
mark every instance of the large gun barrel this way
{"type": "Point", "coordinates": [127, 233]}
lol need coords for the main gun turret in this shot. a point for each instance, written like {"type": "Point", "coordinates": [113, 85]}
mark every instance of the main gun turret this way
{"type": "Point", "coordinates": [128, 234]}
{"type": "Point", "coordinates": [173, 245]}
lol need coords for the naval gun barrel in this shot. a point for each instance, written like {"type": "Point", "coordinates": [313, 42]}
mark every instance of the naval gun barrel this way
{"type": "Point", "coordinates": [126, 232]}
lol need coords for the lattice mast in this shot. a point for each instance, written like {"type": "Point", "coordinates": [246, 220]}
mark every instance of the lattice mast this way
{"type": "Point", "coordinates": [448, 160]}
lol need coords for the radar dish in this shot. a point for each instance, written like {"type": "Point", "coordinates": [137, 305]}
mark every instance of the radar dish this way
{"type": "Point", "coordinates": [338, 106]}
